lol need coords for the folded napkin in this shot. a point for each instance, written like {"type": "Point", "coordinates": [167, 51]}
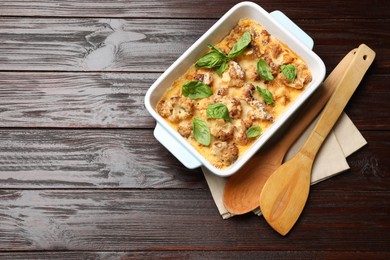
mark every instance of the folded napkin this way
{"type": "Point", "coordinates": [343, 140]}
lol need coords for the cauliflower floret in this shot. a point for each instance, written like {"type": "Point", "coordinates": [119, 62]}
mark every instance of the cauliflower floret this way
{"type": "Point", "coordinates": [204, 76]}
{"type": "Point", "coordinates": [253, 50]}
{"type": "Point", "coordinates": [247, 92]}
{"type": "Point", "coordinates": [254, 111]}
{"type": "Point", "coordinates": [234, 76]}
{"type": "Point", "coordinates": [272, 66]}
{"type": "Point", "coordinates": [175, 109]}
{"type": "Point", "coordinates": [222, 91]}
{"type": "Point", "coordinates": [235, 71]}
{"type": "Point", "coordinates": [240, 132]}
{"type": "Point", "coordinates": [233, 105]}
{"type": "Point", "coordinates": [273, 50]}
{"type": "Point", "coordinates": [185, 128]}
{"type": "Point", "coordinates": [237, 75]}
{"type": "Point", "coordinates": [221, 130]}
{"type": "Point", "coordinates": [224, 153]}
{"type": "Point", "coordinates": [303, 77]}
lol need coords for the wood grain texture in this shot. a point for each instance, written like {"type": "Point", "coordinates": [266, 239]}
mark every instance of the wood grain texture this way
{"type": "Point", "coordinates": [188, 9]}
{"type": "Point", "coordinates": [95, 44]}
{"type": "Point", "coordinates": [133, 45]}
{"type": "Point", "coordinates": [143, 220]}
{"type": "Point", "coordinates": [88, 159]}
{"type": "Point", "coordinates": [75, 100]}
{"type": "Point", "coordinates": [195, 255]}
{"type": "Point", "coordinates": [108, 100]}
{"type": "Point", "coordinates": [72, 190]}
{"type": "Point", "coordinates": [371, 98]}
{"type": "Point", "coordinates": [134, 159]}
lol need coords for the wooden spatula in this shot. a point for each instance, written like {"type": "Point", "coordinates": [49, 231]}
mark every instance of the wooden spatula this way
{"type": "Point", "coordinates": [242, 190]}
{"type": "Point", "coordinates": [285, 193]}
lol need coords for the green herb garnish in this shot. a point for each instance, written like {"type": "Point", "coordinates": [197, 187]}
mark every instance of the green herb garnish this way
{"type": "Point", "coordinates": [201, 131]}
{"type": "Point", "coordinates": [213, 59]}
{"type": "Point", "coordinates": [241, 45]}
{"type": "Point", "coordinates": [196, 89]}
{"type": "Point", "coordinates": [218, 111]}
{"type": "Point", "coordinates": [217, 59]}
{"type": "Point", "coordinates": [289, 71]}
{"type": "Point", "coordinates": [253, 131]}
{"type": "Point", "coordinates": [264, 70]}
{"type": "Point", "coordinates": [222, 68]}
{"type": "Point", "coordinates": [267, 95]}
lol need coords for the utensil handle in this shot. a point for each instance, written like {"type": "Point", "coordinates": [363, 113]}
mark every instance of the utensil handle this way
{"type": "Point", "coordinates": [351, 78]}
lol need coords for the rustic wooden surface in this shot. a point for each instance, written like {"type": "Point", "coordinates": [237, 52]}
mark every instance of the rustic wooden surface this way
{"type": "Point", "coordinates": [82, 177]}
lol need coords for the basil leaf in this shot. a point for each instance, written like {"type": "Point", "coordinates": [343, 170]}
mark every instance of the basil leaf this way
{"type": "Point", "coordinates": [213, 48]}
{"type": "Point", "coordinates": [253, 131]}
{"type": "Point", "coordinates": [240, 46]}
{"type": "Point", "coordinates": [201, 131]}
{"type": "Point", "coordinates": [267, 95]}
{"type": "Point", "coordinates": [289, 71]}
{"type": "Point", "coordinates": [196, 89]}
{"type": "Point", "coordinates": [218, 111]}
{"type": "Point", "coordinates": [213, 59]}
{"type": "Point", "coordinates": [210, 60]}
{"type": "Point", "coordinates": [264, 70]}
{"type": "Point", "coordinates": [222, 68]}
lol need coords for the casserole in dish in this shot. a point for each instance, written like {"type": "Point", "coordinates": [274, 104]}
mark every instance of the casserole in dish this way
{"type": "Point", "coordinates": [277, 25]}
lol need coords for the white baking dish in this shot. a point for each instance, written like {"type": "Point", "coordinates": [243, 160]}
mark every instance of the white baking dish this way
{"type": "Point", "coordinates": [275, 23]}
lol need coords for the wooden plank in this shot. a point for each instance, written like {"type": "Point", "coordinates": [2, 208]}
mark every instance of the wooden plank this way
{"type": "Point", "coordinates": [181, 219]}
{"type": "Point", "coordinates": [90, 159]}
{"type": "Point", "coordinates": [51, 44]}
{"type": "Point", "coordinates": [190, 9]}
{"type": "Point", "coordinates": [134, 159]}
{"type": "Point", "coordinates": [95, 44]}
{"type": "Point", "coordinates": [75, 100]}
{"type": "Point", "coordinates": [369, 107]}
{"type": "Point", "coordinates": [205, 255]}
{"type": "Point", "coordinates": [104, 100]}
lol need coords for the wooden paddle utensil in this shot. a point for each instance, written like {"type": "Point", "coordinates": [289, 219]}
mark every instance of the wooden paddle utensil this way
{"type": "Point", "coordinates": [285, 193]}
{"type": "Point", "coordinates": [242, 190]}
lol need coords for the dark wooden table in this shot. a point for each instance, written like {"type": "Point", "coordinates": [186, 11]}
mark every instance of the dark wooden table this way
{"type": "Point", "coordinates": [81, 175]}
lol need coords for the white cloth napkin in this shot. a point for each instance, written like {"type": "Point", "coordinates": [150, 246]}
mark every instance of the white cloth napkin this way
{"type": "Point", "coordinates": [344, 139]}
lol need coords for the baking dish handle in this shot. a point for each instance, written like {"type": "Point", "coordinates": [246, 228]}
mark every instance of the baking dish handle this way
{"type": "Point", "coordinates": [293, 28]}
{"type": "Point", "coordinates": [176, 148]}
